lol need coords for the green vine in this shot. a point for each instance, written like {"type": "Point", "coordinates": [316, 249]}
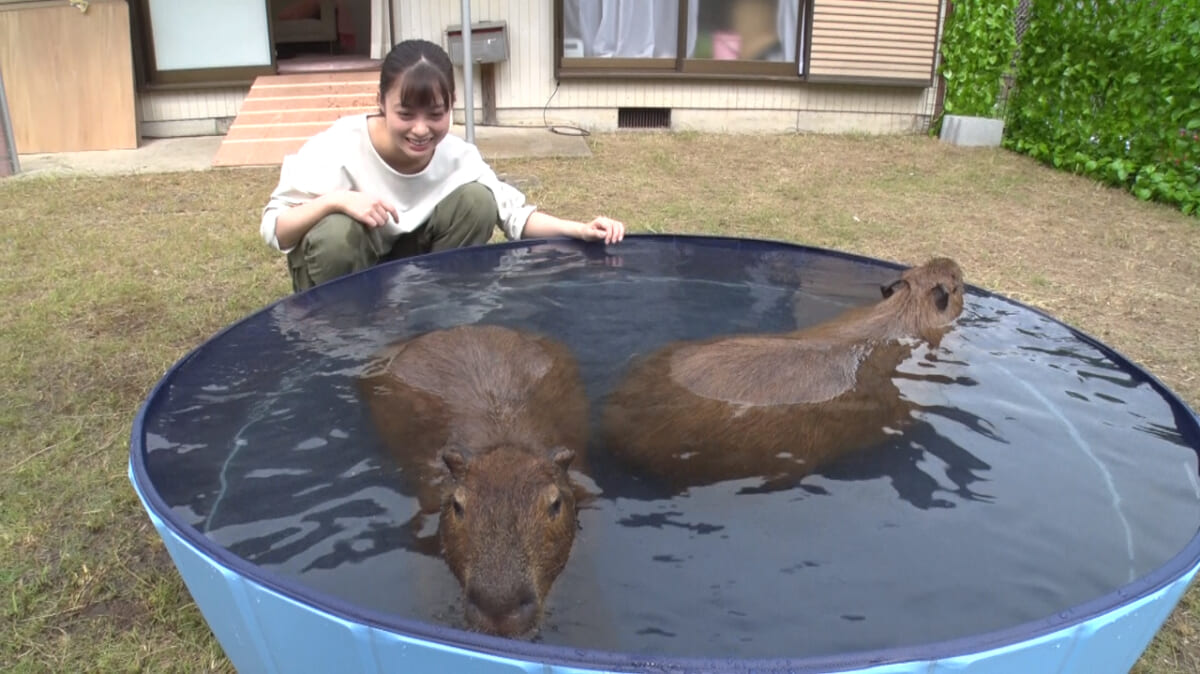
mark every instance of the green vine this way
{"type": "Point", "coordinates": [1112, 90]}
{"type": "Point", "coordinates": [977, 50]}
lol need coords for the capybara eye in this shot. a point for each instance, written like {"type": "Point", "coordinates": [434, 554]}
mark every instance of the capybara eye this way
{"type": "Point", "coordinates": [555, 507]}
{"type": "Point", "coordinates": [457, 505]}
{"type": "Point", "coordinates": [941, 298]}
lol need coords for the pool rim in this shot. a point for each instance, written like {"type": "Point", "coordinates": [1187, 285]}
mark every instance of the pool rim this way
{"type": "Point", "coordinates": [1160, 578]}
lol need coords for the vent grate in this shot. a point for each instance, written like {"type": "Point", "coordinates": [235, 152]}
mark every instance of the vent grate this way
{"type": "Point", "coordinates": [643, 118]}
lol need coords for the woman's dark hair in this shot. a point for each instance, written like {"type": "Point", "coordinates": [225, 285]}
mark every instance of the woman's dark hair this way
{"type": "Point", "coordinates": [424, 71]}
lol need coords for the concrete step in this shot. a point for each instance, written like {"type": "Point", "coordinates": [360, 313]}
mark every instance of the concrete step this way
{"type": "Point", "coordinates": [282, 111]}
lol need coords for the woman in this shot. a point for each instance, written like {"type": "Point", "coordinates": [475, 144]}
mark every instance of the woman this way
{"type": "Point", "coordinates": [378, 187]}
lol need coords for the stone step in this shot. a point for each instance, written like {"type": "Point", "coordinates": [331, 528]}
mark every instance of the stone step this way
{"type": "Point", "coordinates": [282, 111]}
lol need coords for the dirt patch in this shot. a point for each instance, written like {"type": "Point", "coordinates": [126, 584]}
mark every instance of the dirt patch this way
{"type": "Point", "coordinates": [115, 614]}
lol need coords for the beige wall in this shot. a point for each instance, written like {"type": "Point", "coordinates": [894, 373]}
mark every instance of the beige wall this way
{"type": "Point", "coordinates": [189, 112]}
{"type": "Point", "coordinates": [525, 83]}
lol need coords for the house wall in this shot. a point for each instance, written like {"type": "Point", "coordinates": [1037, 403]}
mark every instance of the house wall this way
{"type": "Point", "coordinates": [526, 94]}
{"type": "Point", "coordinates": [525, 83]}
{"type": "Point", "coordinates": [189, 112]}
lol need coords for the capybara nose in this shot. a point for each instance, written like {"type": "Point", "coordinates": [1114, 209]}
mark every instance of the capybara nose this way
{"type": "Point", "coordinates": [503, 613]}
{"type": "Point", "coordinates": [524, 616]}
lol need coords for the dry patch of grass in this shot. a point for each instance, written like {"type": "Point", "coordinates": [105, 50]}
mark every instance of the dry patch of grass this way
{"type": "Point", "coordinates": [1125, 271]}
{"type": "Point", "coordinates": [105, 282]}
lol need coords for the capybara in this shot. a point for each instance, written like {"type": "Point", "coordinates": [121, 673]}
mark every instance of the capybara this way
{"type": "Point", "coordinates": [483, 422]}
{"type": "Point", "coordinates": [778, 406]}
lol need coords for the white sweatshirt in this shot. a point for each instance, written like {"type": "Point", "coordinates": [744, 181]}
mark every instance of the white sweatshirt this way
{"type": "Point", "coordinates": [342, 157]}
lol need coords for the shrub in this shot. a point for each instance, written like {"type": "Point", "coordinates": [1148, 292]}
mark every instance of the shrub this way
{"type": "Point", "coordinates": [977, 50]}
{"type": "Point", "coordinates": [1109, 89]}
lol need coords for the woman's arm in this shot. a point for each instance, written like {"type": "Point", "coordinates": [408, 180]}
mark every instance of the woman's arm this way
{"type": "Point", "coordinates": [540, 225]}
{"type": "Point", "coordinates": [520, 220]}
{"type": "Point", "coordinates": [293, 223]}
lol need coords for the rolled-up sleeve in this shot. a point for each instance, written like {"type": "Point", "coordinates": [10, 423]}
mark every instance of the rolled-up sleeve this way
{"type": "Point", "coordinates": [303, 177]}
{"type": "Point", "coordinates": [514, 212]}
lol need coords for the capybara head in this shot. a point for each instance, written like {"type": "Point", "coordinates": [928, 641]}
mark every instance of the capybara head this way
{"type": "Point", "coordinates": [928, 296]}
{"type": "Point", "coordinates": [508, 521]}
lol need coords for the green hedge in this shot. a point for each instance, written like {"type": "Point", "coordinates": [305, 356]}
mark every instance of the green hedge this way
{"type": "Point", "coordinates": [977, 48]}
{"type": "Point", "coordinates": [1111, 89]}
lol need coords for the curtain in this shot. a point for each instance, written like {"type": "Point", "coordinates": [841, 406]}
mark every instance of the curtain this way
{"type": "Point", "coordinates": [648, 28]}
{"type": "Point", "coordinates": [627, 28]}
{"type": "Point", "coordinates": [381, 28]}
{"type": "Point", "coordinates": [788, 18]}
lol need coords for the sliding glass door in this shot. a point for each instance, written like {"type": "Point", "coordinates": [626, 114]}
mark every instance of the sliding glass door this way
{"type": "Point", "coordinates": [215, 41]}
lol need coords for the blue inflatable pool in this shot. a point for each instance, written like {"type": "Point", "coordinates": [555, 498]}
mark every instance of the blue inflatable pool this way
{"type": "Point", "coordinates": [1039, 514]}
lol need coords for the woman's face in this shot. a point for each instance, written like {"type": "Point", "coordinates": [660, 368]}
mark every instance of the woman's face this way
{"type": "Point", "coordinates": [415, 132]}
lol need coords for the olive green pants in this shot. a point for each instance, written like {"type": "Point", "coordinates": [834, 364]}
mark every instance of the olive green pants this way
{"type": "Point", "coordinates": [338, 245]}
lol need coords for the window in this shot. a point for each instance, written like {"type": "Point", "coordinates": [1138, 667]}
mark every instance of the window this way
{"type": "Point", "coordinates": [189, 43]}
{"type": "Point", "coordinates": [680, 38]}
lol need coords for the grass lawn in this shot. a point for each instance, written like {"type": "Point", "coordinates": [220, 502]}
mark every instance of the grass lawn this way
{"type": "Point", "coordinates": [107, 281]}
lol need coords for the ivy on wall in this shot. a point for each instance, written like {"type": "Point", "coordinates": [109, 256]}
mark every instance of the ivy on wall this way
{"type": "Point", "coordinates": [978, 42]}
{"type": "Point", "coordinates": [1111, 89]}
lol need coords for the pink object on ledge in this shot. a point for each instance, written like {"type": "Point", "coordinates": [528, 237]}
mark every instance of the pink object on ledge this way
{"type": "Point", "coordinates": [726, 45]}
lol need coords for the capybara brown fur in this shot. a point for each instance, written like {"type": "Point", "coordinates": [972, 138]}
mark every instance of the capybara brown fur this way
{"type": "Point", "coordinates": [778, 406]}
{"type": "Point", "coordinates": [484, 422]}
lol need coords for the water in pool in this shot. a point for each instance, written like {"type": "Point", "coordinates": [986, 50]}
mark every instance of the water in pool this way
{"type": "Point", "coordinates": [1036, 473]}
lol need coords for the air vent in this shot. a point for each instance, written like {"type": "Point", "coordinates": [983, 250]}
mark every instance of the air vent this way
{"type": "Point", "coordinates": [643, 118]}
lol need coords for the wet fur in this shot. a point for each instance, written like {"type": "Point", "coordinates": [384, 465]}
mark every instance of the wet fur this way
{"type": "Point", "coordinates": [483, 422]}
{"type": "Point", "coordinates": [778, 406]}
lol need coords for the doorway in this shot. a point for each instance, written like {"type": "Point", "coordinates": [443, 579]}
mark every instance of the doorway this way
{"type": "Point", "coordinates": [321, 35]}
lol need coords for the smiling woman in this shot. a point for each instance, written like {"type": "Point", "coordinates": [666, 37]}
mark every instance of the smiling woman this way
{"type": "Point", "coordinates": [387, 185]}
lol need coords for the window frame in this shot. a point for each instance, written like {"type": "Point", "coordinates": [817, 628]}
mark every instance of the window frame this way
{"type": "Point", "coordinates": [682, 68]}
{"type": "Point", "coordinates": [151, 78]}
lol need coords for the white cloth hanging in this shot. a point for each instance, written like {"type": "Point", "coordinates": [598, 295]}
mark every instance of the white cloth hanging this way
{"type": "Point", "coordinates": [382, 35]}
{"type": "Point", "coordinates": [627, 28]}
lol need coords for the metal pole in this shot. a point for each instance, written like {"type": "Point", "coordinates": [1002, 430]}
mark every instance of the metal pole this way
{"type": "Point", "coordinates": [6, 124]}
{"type": "Point", "coordinates": [468, 73]}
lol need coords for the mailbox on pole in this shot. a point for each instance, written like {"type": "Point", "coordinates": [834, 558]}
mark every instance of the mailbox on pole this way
{"type": "Point", "coordinates": [486, 44]}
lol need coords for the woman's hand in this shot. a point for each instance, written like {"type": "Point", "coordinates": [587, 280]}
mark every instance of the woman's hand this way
{"type": "Point", "coordinates": [365, 208]}
{"type": "Point", "coordinates": [603, 229]}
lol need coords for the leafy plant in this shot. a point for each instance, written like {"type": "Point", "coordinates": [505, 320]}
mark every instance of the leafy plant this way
{"type": "Point", "coordinates": [977, 50]}
{"type": "Point", "coordinates": [1109, 90]}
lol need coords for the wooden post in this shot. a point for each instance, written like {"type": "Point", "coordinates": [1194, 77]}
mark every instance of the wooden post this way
{"type": "Point", "coordinates": [487, 85]}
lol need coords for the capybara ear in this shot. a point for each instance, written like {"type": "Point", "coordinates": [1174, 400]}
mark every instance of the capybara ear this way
{"type": "Point", "coordinates": [887, 290]}
{"type": "Point", "coordinates": [562, 456]}
{"type": "Point", "coordinates": [456, 459]}
{"type": "Point", "coordinates": [941, 297]}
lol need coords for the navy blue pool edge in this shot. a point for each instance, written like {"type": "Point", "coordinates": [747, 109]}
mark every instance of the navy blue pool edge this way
{"type": "Point", "coordinates": [1182, 565]}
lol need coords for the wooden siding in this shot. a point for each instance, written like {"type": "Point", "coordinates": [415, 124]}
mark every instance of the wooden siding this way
{"type": "Point", "coordinates": [174, 105]}
{"type": "Point", "coordinates": [527, 77]}
{"type": "Point", "coordinates": [874, 39]}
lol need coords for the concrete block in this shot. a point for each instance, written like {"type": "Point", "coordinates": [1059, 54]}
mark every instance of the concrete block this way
{"type": "Point", "coordinates": [972, 131]}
